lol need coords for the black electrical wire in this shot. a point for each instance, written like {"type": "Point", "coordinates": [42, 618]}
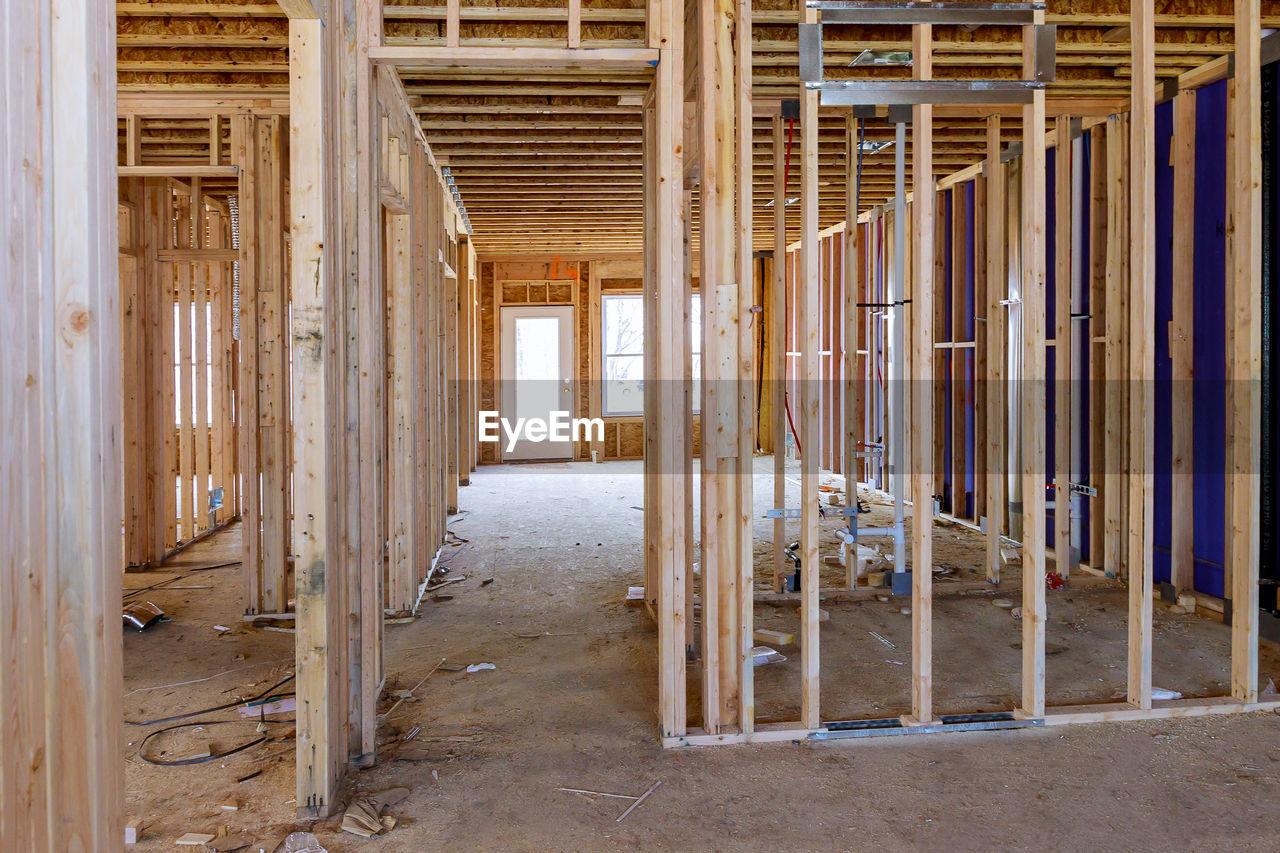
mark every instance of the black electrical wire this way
{"type": "Point", "coordinates": [270, 691]}
{"type": "Point", "coordinates": [184, 762]}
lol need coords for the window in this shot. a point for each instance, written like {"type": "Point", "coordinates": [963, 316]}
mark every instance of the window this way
{"type": "Point", "coordinates": [622, 325]}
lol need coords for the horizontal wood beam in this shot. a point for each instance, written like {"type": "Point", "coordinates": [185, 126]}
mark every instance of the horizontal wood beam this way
{"type": "Point", "coordinates": [414, 56]}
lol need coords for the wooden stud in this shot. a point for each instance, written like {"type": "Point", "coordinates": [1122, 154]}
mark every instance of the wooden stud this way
{"type": "Point", "coordinates": [1141, 379]}
{"type": "Point", "coordinates": [575, 23]}
{"type": "Point", "coordinates": [1182, 350]}
{"type": "Point", "coordinates": [1033, 391]}
{"type": "Point", "coordinates": [1117, 324]}
{"type": "Point", "coordinates": [1062, 355]}
{"type": "Point", "coordinates": [453, 9]}
{"type": "Point", "coordinates": [808, 311]}
{"type": "Point", "coordinates": [923, 214]}
{"type": "Point", "coordinates": [1098, 337]}
{"type": "Point", "coordinates": [1246, 353]}
{"type": "Point", "coordinates": [853, 401]}
{"type": "Point", "coordinates": [777, 324]}
{"type": "Point", "coordinates": [997, 336]}
{"type": "Point", "coordinates": [321, 669]}
{"type": "Point", "coordinates": [60, 408]}
{"type": "Point", "coordinates": [744, 264]}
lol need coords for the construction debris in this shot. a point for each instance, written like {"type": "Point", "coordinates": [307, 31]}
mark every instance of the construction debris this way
{"type": "Point", "coordinates": [888, 643]}
{"type": "Point", "coordinates": [364, 817]}
{"type": "Point", "coordinates": [142, 615]}
{"type": "Point", "coordinates": [195, 839]}
{"type": "Point", "coordinates": [762, 655]}
{"type": "Point", "coordinates": [767, 635]}
{"type": "Point", "coordinates": [133, 830]}
{"type": "Point", "coordinates": [300, 842]}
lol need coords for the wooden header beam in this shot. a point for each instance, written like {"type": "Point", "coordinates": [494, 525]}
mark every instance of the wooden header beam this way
{"type": "Point", "coordinates": [599, 59]}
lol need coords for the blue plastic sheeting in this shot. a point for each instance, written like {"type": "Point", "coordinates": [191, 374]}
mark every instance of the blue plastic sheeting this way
{"type": "Point", "coordinates": [1209, 340]}
{"type": "Point", "coordinates": [1208, 343]}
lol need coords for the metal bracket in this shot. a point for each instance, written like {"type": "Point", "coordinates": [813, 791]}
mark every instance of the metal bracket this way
{"type": "Point", "coordinates": [810, 44]}
{"type": "Point", "coordinates": [918, 12]}
{"type": "Point", "coordinates": [788, 512]}
{"type": "Point", "coordinates": [1082, 489]}
{"type": "Point", "coordinates": [1046, 48]}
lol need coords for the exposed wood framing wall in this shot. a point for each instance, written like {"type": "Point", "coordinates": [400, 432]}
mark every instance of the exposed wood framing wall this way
{"type": "Point", "coordinates": [179, 433]}
{"type": "Point", "coordinates": [350, 370]}
{"type": "Point", "coordinates": [1119, 190]}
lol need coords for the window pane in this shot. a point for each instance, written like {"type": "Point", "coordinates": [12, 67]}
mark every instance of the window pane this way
{"type": "Point", "coordinates": [624, 385]}
{"type": "Point", "coordinates": [623, 325]}
{"type": "Point", "coordinates": [537, 348]}
{"type": "Point", "coordinates": [537, 366]}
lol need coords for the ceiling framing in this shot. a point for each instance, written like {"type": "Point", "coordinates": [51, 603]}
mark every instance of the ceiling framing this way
{"type": "Point", "coordinates": [550, 159]}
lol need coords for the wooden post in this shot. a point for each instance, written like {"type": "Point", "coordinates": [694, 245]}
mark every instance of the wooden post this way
{"type": "Point", "coordinates": [997, 336]}
{"type": "Point", "coordinates": [1246, 353]}
{"type": "Point", "coordinates": [452, 389]}
{"type": "Point", "coordinates": [60, 409]}
{"type": "Point", "coordinates": [370, 413]}
{"type": "Point", "coordinates": [1098, 336]}
{"type": "Point", "coordinates": [778, 326]}
{"type": "Point", "coordinates": [244, 150]}
{"type": "Point", "coordinates": [665, 290]}
{"type": "Point", "coordinates": [1181, 343]}
{"type": "Point", "coordinates": [1033, 390]}
{"type": "Point", "coordinates": [853, 400]}
{"type": "Point", "coordinates": [744, 163]}
{"type": "Point", "coordinates": [1142, 331]}
{"type": "Point", "coordinates": [273, 364]}
{"type": "Point", "coordinates": [808, 308]}
{"type": "Point", "coordinates": [402, 415]}
{"type": "Point", "coordinates": [1117, 324]}
{"type": "Point", "coordinates": [321, 647]}
{"type": "Point", "coordinates": [1063, 257]}
{"type": "Point", "coordinates": [922, 375]}
{"type": "Point", "coordinates": [720, 360]}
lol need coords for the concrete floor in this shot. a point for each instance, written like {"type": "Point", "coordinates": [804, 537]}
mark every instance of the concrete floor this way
{"type": "Point", "coordinates": [571, 704]}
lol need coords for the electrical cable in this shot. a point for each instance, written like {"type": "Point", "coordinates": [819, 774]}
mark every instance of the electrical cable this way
{"type": "Point", "coordinates": [185, 762]}
{"type": "Point", "coordinates": [270, 691]}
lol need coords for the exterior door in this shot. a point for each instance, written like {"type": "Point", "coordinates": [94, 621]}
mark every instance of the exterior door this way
{"type": "Point", "coordinates": [537, 379]}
